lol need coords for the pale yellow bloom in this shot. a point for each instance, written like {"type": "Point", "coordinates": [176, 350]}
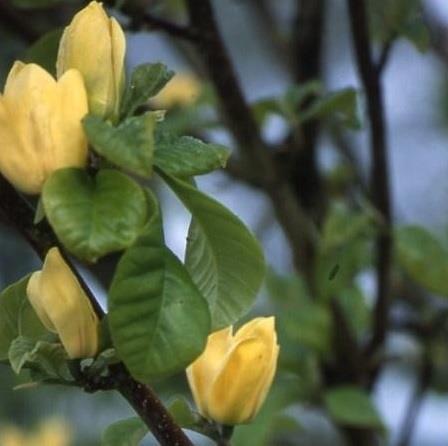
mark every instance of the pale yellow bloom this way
{"type": "Point", "coordinates": [51, 432]}
{"type": "Point", "coordinates": [40, 125]}
{"type": "Point", "coordinates": [11, 436]}
{"type": "Point", "coordinates": [63, 307]}
{"type": "Point", "coordinates": [95, 44]}
{"type": "Point", "coordinates": [232, 377]}
{"type": "Point", "coordinates": [183, 89]}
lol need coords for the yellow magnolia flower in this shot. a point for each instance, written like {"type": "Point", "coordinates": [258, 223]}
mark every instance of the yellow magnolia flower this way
{"type": "Point", "coordinates": [40, 125]}
{"type": "Point", "coordinates": [232, 377]}
{"type": "Point", "coordinates": [95, 44]}
{"type": "Point", "coordinates": [11, 436]}
{"type": "Point", "coordinates": [63, 307]}
{"type": "Point", "coordinates": [51, 432]}
{"type": "Point", "coordinates": [182, 90]}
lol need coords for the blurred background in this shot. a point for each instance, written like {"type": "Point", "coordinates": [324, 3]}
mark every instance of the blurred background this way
{"type": "Point", "coordinates": [257, 34]}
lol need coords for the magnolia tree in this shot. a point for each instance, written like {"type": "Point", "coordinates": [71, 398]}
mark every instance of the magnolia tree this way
{"type": "Point", "coordinates": [81, 144]}
{"type": "Point", "coordinates": [84, 144]}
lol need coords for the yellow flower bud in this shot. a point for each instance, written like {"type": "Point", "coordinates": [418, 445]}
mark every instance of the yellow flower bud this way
{"type": "Point", "coordinates": [232, 377]}
{"type": "Point", "coordinates": [63, 307]}
{"type": "Point", "coordinates": [52, 432]}
{"type": "Point", "coordinates": [182, 90]}
{"type": "Point", "coordinates": [40, 125]}
{"type": "Point", "coordinates": [95, 44]}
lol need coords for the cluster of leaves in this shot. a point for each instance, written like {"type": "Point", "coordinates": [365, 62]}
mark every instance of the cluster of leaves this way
{"type": "Point", "coordinates": [157, 304]}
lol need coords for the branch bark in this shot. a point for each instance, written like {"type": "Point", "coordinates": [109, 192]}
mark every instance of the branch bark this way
{"type": "Point", "coordinates": [379, 174]}
{"type": "Point", "coordinates": [19, 214]}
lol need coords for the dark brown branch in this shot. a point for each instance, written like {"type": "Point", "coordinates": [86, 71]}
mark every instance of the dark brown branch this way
{"type": "Point", "coordinates": [17, 23]}
{"type": "Point", "coordinates": [239, 118]}
{"type": "Point", "coordinates": [15, 211]}
{"type": "Point", "coordinates": [141, 19]}
{"type": "Point", "coordinates": [384, 56]}
{"type": "Point", "coordinates": [379, 175]}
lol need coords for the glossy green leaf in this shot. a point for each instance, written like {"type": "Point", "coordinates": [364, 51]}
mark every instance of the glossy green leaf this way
{"type": "Point", "coordinates": [94, 216]}
{"type": "Point", "coordinates": [130, 145]}
{"type": "Point", "coordinates": [146, 81]}
{"type": "Point", "coordinates": [223, 257]}
{"type": "Point", "coordinates": [186, 156]}
{"type": "Point", "coordinates": [44, 51]}
{"type": "Point", "coordinates": [50, 359]}
{"type": "Point", "coordinates": [423, 257]}
{"type": "Point", "coordinates": [351, 406]}
{"type": "Point", "coordinates": [158, 319]}
{"type": "Point", "coordinates": [17, 317]}
{"type": "Point", "coordinates": [128, 432]}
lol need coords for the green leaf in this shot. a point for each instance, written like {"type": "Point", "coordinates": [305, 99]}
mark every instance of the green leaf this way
{"type": "Point", "coordinates": [128, 432]}
{"type": "Point", "coordinates": [130, 145]}
{"type": "Point", "coordinates": [17, 317]}
{"type": "Point", "coordinates": [94, 216]}
{"type": "Point", "coordinates": [356, 310]}
{"type": "Point", "coordinates": [223, 257]}
{"type": "Point", "coordinates": [146, 81]}
{"type": "Point", "coordinates": [391, 19]}
{"type": "Point", "coordinates": [341, 104]}
{"type": "Point", "coordinates": [351, 406]}
{"type": "Point", "coordinates": [186, 156]}
{"type": "Point", "coordinates": [44, 51]}
{"type": "Point", "coordinates": [423, 257]}
{"type": "Point", "coordinates": [182, 413]}
{"type": "Point", "coordinates": [49, 359]}
{"type": "Point", "coordinates": [159, 321]}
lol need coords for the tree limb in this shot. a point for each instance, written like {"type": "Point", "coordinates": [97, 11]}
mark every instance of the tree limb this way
{"type": "Point", "coordinates": [379, 174]}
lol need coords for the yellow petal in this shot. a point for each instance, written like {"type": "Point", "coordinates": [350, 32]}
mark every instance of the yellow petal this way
{"type": "Point", "coordinates": [66, 306]}
{"type": "Point", "coordinates": [27, 177]}
{"type": "Point", "coordinates": [88, 44]}
{"type": "Point", "coordinates": [202, 372]}
{"type": "Point", "coordinates": [266, 381]}
{"type": "Point", "coordinates": [70, 143]}
{"type": "Point", "coordinates": [183, 89]}
{"type": "Point", "coordinates": [34, 294]}
{"type": "Point", "coordinates": [118, 56]}
{"type": "Point", "coordinates": [235, 392]}
{"type": "Point", "coordinates": [262, 328]}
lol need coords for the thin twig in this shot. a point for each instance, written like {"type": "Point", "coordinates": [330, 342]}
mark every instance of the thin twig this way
{"type": "Point", "coordinates": [142, 19]}
{"type": "Point", "coordinates": [15, 211]}
{"type": "Point", "coordinates": [379, 175]}
{"type": "Point", "coordinates": [173, 29]}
